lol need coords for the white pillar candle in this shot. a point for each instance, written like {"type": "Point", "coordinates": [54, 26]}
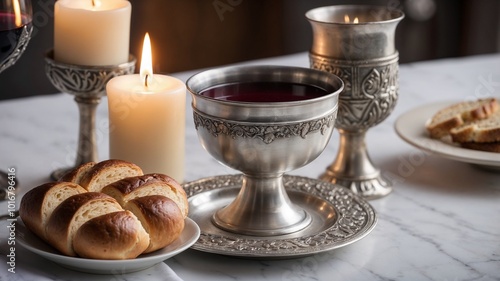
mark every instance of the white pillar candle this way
{"type": "Point", "coordinates": [92, 32]}
{"type": "Point", "coordinates": [147, 119]}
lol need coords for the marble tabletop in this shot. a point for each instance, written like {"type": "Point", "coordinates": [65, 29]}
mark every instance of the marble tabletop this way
{"type": "Point", "coordinates": [441, 222]}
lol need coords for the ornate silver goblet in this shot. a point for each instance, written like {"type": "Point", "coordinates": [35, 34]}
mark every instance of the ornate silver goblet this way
{"type": "Point", "coordinates": [88, 85]}
{"type": "Point", "coordinates": [263, 139]}
{"type": "Point", "coordinates": [357, 44]}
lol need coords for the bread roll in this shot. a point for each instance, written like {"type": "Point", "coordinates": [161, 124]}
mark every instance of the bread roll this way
{"type": "Point", "coordinates": [38, 204]}
{"type": "Point", "coordinates": [75, 175]}
{"type": "Point", "coordinates": [160, 216]}
{"type": "Point", "coordinates": [72, 213]}
{"type": "Point", "coordinates": [458, 114]}
{"type": "Point", "coordinates": [127, 189]}
{"type": "Point", "coordinates": [118, 236]}
{"type": "Point", "coordinates": [108, 171]}
{"type": "Point", "coordinates": [481, 131]}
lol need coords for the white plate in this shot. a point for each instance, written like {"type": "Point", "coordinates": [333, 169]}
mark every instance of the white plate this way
{"type": "Point", "coordinates": [30, 241]}
{"type": "Point", "coordinates": [410, 126]}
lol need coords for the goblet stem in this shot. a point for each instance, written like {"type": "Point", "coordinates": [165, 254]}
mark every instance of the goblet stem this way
{"type": "Point", "coordinates": [354, 169]}
{"type": "Point", "coordinates": [262, 208]}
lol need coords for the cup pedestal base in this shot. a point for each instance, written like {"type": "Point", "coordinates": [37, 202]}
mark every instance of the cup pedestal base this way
{"type": "Point", "coordinates": [354, 169]}
{"type": "Point", "coordinates": [262, 208]}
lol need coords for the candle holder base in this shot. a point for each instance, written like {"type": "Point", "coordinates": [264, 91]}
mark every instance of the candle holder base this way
{"type": "Point", "coordinates": [59, 173]}
{"type": "Point", "coordinates": [88, 85]}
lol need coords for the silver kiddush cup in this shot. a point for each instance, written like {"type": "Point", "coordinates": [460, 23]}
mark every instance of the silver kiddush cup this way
{"type": "Point", "coordinates": [357, 44]}
{"type": "Point", "coordinates": [263, 140]}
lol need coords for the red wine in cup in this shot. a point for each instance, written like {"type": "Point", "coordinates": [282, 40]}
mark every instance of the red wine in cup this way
{"type": "Point", "coordinates": [264, 92]}
{"type": "Point", "coordinates": [9, 34]}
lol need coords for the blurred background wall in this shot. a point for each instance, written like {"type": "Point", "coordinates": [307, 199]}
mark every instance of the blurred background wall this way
{"type": "Point", "coordinates": [193, 34]}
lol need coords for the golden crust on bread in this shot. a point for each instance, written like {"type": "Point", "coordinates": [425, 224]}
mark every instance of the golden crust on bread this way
{"type": "Point", "coordinates": [127, 189]}
{"type": "Point", "coordinates": [160, 216]}
{"type": "Point", "coordinates": [117, 236]}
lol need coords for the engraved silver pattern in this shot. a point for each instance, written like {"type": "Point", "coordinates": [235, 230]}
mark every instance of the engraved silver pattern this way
{"type": "Point", "coordinates": [84, 81]}
{"type": "Point", "coordinates": [370, 93]}
{"type": "Point", "coordinates": [267, 133]}
{"type": "Point", "coordinates": [355, 219]}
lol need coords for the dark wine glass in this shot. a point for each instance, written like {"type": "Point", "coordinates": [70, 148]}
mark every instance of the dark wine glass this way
{"type": "Point", "coordinates": [15, 33]}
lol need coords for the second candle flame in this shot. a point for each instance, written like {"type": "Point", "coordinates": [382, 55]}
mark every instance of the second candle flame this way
{"type": "Point", "coordinates": [146, 72]}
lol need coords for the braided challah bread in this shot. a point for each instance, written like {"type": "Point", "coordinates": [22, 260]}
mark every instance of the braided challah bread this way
{"type": "Point", "coordinates": [106, 210]}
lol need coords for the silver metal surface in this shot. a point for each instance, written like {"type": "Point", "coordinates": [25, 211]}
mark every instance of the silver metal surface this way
{"type": "Point", "coordinates": [338, 218]}
{"type": "Point", "coordinates": [362, 54]}
{"type": "Point", "coordinates": [88, 85]}
{"type": "Point", "coordinates": [264, 140]}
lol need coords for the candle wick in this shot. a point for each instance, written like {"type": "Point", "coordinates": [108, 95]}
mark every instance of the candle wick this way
{"type": "Point", "coordinates": [146, 80]}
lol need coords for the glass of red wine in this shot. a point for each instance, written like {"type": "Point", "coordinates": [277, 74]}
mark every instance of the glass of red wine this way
{"type": "Point", "coordinates": [15, 33]}
{"type": "Point", "coordinates": [15, 30]}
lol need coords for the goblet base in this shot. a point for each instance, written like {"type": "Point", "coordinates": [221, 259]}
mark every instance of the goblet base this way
{"type": "Point", "coordinates": [354, 169]}
{"type": "Point", "coordinates": [372, 188]}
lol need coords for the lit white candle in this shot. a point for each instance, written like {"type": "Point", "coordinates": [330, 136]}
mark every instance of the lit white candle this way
{"type": "Point", "coordinates": [147, 119]}
{"type": "Point", "coordinates": [92, 32]}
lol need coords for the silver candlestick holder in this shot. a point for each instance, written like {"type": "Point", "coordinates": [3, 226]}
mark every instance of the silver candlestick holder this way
{"type": "Point", "coordinates": [357, 44]}
{"type": "Point", "coordinates": [88, 85]}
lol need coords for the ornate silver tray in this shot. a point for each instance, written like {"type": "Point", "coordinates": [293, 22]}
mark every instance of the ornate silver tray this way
{"type": "Point", "coordinates": [339, 218]}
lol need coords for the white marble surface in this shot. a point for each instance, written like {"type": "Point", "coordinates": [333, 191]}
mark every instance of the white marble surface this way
{"type": "Point", "coordinates": [442, 222]}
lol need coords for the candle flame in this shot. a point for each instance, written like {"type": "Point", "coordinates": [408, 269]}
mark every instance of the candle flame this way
{"type": "Point", "coordinates": [146, 61]}
{"type": "Point", "coordinates": [348, 20]}
{"type": "Point", "coordinates": [17, 13]}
